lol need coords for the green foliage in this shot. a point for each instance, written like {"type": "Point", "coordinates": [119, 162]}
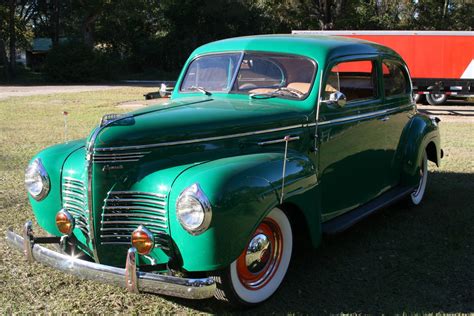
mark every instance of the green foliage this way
{"type": "Point", "coordinates": [151, 34]}
{"type": "Point", "coordinates": [76, 62]}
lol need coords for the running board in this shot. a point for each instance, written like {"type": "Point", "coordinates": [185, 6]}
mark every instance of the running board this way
{"type": "Point", "coordinates": [343, 222]}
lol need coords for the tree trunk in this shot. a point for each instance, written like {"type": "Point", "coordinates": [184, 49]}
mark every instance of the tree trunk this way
{"type": "Point", "coordinates": [88, 29]}
{"type": "Point", "coordinates": [3, 58]}
{"type": "Point", "coordinates": [12, 35]}
{"type": "Point", "coordinates": [55, 23]}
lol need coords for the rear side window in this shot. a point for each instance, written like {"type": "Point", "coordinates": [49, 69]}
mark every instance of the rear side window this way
{"type": "Point", "coordinates": [356, 79]}
{"type": "Point", "coordinates": [395, 78]}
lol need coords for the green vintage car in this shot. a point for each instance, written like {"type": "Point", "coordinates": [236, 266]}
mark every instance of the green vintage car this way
{"type": "Point", "coordinates": [266, 142]}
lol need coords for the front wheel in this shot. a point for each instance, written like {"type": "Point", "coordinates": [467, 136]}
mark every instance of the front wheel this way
{"type": "Point", "coordinates": [258, 272]}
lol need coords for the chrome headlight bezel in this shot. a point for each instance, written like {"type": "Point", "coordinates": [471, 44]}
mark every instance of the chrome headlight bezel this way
{"type": "Point", "coordinates": [36, 168]}
{"type": "Point", "coordinates": [195, 193]}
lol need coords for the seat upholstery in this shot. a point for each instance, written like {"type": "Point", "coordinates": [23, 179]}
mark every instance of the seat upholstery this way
{"type": "Point", "coordinates": [300, 86]}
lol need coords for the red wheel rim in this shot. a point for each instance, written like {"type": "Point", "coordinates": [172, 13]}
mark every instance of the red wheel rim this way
{"type": "Point", "coordinates": [269, 259]}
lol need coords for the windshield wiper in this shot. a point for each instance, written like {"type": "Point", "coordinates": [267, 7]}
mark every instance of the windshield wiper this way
{"type": "Point", "coordinates": [278, 92]}
{"type": "Point", "coordinates": [200, 89]}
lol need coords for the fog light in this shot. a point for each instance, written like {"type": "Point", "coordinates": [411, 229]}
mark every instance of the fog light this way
{"type": "Point", "coordinates": [143, 240]}
{"type": "Point", "coordinates": [65, 222]}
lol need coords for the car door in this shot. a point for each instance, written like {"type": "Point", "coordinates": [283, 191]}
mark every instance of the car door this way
{"type": "Point", "coordinates": [351, 144]}
{"type": "Point", "coordinates": [400, 107]}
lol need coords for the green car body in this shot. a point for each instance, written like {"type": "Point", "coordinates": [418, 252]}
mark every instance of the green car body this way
{"type": "Point", "coordinates": [335, 159]}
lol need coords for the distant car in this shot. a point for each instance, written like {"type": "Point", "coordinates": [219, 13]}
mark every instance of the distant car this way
{"type": "Point", "coordinates": [264, 138]}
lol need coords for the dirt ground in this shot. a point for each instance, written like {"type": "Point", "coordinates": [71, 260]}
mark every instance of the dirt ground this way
{"type": "Point", "coordinates": [20, 91]}
{"type": "Point", "coordinates": [454, 110]}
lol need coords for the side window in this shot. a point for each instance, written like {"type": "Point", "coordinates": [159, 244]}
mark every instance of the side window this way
{"type": "Point", "coordinates": [356, 79]}
{"type": "Point", "coordinates": [395, 79]}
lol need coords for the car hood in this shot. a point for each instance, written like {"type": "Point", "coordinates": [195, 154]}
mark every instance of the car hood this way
{"type": "Point", "coordinates": [198, 118]}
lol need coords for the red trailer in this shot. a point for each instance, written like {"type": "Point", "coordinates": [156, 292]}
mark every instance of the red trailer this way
{"type": "Point", "coordinates": [441, 63]}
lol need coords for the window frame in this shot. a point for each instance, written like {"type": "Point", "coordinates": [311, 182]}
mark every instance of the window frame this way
{"type": "Point", "coordinates": [376, 71]}
{"type": "Point", "coordinates": [234, 78]}
{"type": "Point", "coordinates": [234, 75]}
{"type": "Point", "coordinates": [406, 75]}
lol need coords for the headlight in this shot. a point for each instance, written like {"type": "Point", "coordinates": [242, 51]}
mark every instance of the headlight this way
{"type": "Point", "coordinates": [37, 180]}
{"type": "Point", "coordinates": [194, 210]}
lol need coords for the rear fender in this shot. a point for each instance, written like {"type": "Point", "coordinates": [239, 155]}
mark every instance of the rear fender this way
{"type": "Point", "coordinates": [420, 135]}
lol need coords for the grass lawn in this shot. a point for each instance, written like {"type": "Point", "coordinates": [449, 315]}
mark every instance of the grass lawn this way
{"type": "Point", "coordinates": [403, 259]}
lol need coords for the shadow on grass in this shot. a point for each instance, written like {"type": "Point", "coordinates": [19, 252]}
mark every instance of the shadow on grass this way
{"type": "Point", "coordinates": [402, 259]}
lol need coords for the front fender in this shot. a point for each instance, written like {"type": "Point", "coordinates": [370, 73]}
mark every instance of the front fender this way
{"type": "Point", "coordinates": [53, 159]}
{"type": "Point", "coordinates": [420, 133]}
{"type": "Point", "coordinates": [242, 190]}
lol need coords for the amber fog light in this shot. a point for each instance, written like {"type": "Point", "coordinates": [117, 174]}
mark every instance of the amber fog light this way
{"type": "Point", "coordinates": [65, 222]}
{"type": "Point", "coordinates": [143, 240]}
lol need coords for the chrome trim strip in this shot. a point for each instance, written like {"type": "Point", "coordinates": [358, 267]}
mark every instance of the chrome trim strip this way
{"type": "Point", "coordinates": [136, 201]}
{"type": "Point", "coordinates": [116, 243]}
{"type": "Point", "coordinates": [70, 179]}
{"type": "Point", "coordinates": [152, 229]}
{"type": "Point", "coordinates": [75, 201]}
{"type": "Point", "coordinates": [159, 195]}
{"type": "Point", "coordinates": [364, 116]}
{"type": "Point", "coordinates": [143, 208]}
{"type": "Point", "coordinates": [134, 223]}
{"type": "Point", "coordinates": [118, 158]}
{"type": "Point", "coordinates": [115, 161]}
{"type": "Point", "coordinates": [277, 141]}
{"type": "Point", "coordinates": [141, 215]}
{"type": "Point", "coordinates": [199, 140]}
{"type": "Point", "coordinates": [141, 153]}
{"type": "Point", "coordinates": [74, 211]}
{"type": "Point", "coordinates": [115, 236]}
{"type": "Point", "coordinates": [128, 236]}
{"type": "Point", "coordinates": [286, 139]}
{"type": "Point", "coordinates": [80, 219]}
{"type": "Point", "coordinates": [83, 229]}
{"type": "Point", "coordinates": [70, 193]}
{"type": "Point", "coordinates": [74, 186]}
{"type": "Point", "coordinates": [146, 282]}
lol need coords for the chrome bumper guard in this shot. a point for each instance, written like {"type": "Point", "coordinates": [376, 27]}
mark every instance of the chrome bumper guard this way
{"type": "Point", "coordinates": [130, 278]}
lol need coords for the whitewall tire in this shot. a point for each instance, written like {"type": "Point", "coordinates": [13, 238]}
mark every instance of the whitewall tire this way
{"type": "Point", "coordinates": [417, 195]}
{"type": "Point", "coordinates": [260, 269]}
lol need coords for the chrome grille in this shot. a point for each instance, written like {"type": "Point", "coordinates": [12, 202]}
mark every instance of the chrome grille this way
{"type": "Point", "coordinates": [124, 211]}
{"type": "Point", "coordinates": [105, 157]}
{"type": "Point", "coordinates": [75, 202]}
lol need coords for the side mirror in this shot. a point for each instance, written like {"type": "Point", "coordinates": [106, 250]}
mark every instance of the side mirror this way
{"type": "Point", "coordinates": [338, 98]}
{"type": "Point", "coordinates": [164, 91]}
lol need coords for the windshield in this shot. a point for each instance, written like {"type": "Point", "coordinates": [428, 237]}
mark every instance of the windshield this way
{"type": "Point", "coordinates": [259, 75]}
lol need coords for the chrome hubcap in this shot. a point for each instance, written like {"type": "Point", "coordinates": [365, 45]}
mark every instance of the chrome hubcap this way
{"type": "Point", "coordinates": [258, 253]}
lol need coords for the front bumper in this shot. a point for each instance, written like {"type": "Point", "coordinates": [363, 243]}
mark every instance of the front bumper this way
{"type": "Point", "coordinates": [129, 277]}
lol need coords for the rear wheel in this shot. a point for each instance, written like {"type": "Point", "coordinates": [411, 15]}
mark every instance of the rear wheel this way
{"type": "Point", "coordinates": [258, 272]}
{"type": "Point", "coordinates": [436, 99]}
{"type": "Point", "coordinates": [417, 196]}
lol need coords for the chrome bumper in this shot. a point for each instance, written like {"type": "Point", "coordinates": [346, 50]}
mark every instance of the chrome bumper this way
{"type": "Point", "coordinates": [129, 277]}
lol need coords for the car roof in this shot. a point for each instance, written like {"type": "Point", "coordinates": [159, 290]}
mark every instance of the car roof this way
{"type": "Point", "coordinates": [314, 46]}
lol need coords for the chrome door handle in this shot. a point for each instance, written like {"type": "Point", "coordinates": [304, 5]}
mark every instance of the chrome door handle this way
{"type": "Point", "coordinates": [385, 118]}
